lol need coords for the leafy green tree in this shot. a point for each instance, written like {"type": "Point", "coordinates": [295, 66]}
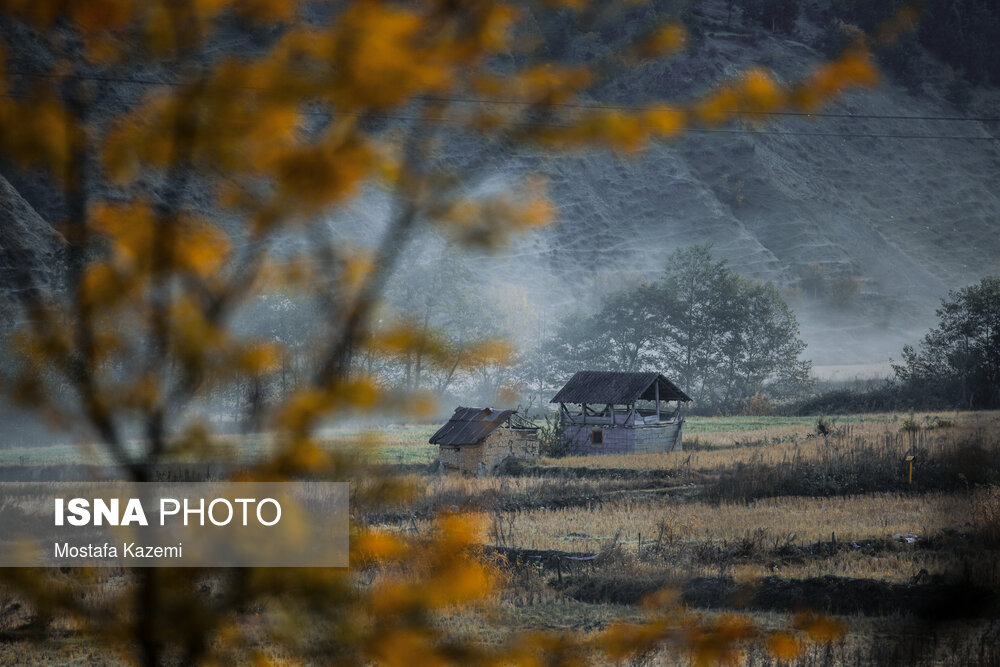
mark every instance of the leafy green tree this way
{"type": "Point", "coordinates": [692, 305]}
{"type": "Point", "coordinates": [960, 358]}
{"type": "Point", "coordinates": [726, 338]}
{"type": "Point", "coordinates": [622, 335]}
{"type": "Point", "coordinates": [761, 348]}
{"type": "Point", "coordinates": [722, 337]}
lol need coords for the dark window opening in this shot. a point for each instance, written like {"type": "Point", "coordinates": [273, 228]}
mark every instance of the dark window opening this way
{"type": "Point", "coordinates": [597, 437]}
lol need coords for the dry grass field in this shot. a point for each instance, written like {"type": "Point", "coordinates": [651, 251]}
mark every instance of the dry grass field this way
{"type": "Point", "coordinates": [764, 520]}
{"type": "Point", "coordinates": [764, 517]}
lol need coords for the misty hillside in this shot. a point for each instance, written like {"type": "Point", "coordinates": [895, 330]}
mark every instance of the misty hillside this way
{"type": "Point", "coordinates": [907, 218]}
{"type": "Point", "coordinates": [898, 221]}
{"type": "Point", "coordinates": [864, 200]}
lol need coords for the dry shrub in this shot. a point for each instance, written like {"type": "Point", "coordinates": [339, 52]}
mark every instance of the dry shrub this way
{"type": "Point", "coordinates": [9, 606]}
{"type": "Point", "coordinates": [986, 514]}
{"type": "Point", "coordinates": [758, 405]}
{"type": "Point", "coordinates": [852, 461]}
{"type": "Point", "coordinates": [941, 422]}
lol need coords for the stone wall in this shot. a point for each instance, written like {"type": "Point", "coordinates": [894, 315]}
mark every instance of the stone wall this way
{"type": "Point", "coordinates": [497, 446]}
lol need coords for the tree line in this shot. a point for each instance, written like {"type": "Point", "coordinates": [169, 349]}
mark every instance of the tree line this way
{"type": "Point", "coordinates": [955, 366]}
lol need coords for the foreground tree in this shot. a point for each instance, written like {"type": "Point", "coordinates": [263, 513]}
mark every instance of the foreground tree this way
{"type": "Point", "coordinates": [178, 210]}
{"type": "Point", "coordinates": [959, 359]}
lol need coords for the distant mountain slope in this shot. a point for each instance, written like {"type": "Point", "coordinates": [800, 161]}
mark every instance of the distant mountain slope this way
{"type": "Point", "coordinates": [906, 219]}
{"type": "Point", "coordinates": [29, 248]}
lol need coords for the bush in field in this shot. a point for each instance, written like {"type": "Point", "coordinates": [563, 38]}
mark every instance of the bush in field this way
{"type": "Point", "coordinates": [986, 514]}
{"type": "Point", "coordinates": [758, 405]}
{"type": "Point", "coordinates": [552, 440]}
{"type": "Point", "coordinates": [855, 464]}
{"type": "Point", "coordinates": [909, 425]}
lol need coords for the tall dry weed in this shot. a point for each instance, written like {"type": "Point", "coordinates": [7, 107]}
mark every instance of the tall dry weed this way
{"type": "Point", "coordinates": [985, 510]}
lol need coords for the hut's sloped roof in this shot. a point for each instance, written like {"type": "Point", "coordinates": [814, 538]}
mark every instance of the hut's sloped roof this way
{"type": "Point", "coordinates": [469, 426]}
{"type": "Point", "coordinates": [617, 388]}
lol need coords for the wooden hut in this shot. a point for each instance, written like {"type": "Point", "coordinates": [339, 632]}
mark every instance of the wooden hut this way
{"type": "Point", "coordinates": [477, 440]}
{"type": "Point", "coordinates": [609, 412]}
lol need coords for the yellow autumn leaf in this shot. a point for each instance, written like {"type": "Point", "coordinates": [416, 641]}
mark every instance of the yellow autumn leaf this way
{"type": "Point", "coordinates": [95, 15]}
{"type": "Point", "coordinates": [665, 121]}
{"type": "Point", "coordinates": [316, 176]}
{"type": "Point", "coordinates": [381, 60]}
{"type": "Point", "coordinates": [760, 92]}
{"type": "Point", "coordinates": [379, 546]}
{"type": "Point", "coordinates": [462, 582]}
{"type": "Point", "coordinates": [199, 247]}
{"type": "Point", "coordinates": [404, 647]}
{"type": "Point", "coordinates": [267, 11]}
{"type": "Point", "coordinates": [819, 627]}
{"type": "Point", "coordinates": [784, 646]}
{"type": "Point", "coordinates": [666, 39]}
{"type": "Point", "coordinates": [258, 359]}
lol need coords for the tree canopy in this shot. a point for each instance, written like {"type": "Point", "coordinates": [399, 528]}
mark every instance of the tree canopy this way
{"type": "Point", "coordinates": [958, 361]}
{"type": "Point", "coordinates": [721, 337]}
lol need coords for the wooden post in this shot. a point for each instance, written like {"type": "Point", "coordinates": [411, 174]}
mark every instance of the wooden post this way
{"type": "Point", "coordinates": [585, 414]}
{"type": "Point", "coordinates": [657, 400]}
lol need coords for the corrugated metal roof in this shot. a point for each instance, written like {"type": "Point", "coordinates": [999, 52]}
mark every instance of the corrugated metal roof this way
{"type": "Point", "coordinates": [617, 388]}
{"type": "Point", "coordinates": [469, 426]}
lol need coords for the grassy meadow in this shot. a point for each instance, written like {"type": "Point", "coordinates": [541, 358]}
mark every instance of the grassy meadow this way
{"type": "Point", "coordinates": [763, 516]}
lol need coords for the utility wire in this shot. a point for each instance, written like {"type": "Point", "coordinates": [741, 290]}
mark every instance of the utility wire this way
{"type": "Point", "coordinates": [540, 125]}
{"type": "Point", "coordinates": [574, 105]}
{"type": "Point", "coordinates": [681, 131]}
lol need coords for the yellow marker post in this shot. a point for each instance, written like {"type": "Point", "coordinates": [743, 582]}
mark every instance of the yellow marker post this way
{"type": "Point", "coordinates": [909, 459]}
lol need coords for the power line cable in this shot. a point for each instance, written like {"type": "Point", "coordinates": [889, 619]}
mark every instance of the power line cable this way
{"type": "Point", "coordinates": [681, 131]}
{"type": "Point", "coordinates": [576, 105]}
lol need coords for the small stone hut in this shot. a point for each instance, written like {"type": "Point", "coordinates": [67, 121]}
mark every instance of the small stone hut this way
{"type": "Point", "coordinates": [477, 440]}
{"type": "Point", "coordinates": [604, 412]}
